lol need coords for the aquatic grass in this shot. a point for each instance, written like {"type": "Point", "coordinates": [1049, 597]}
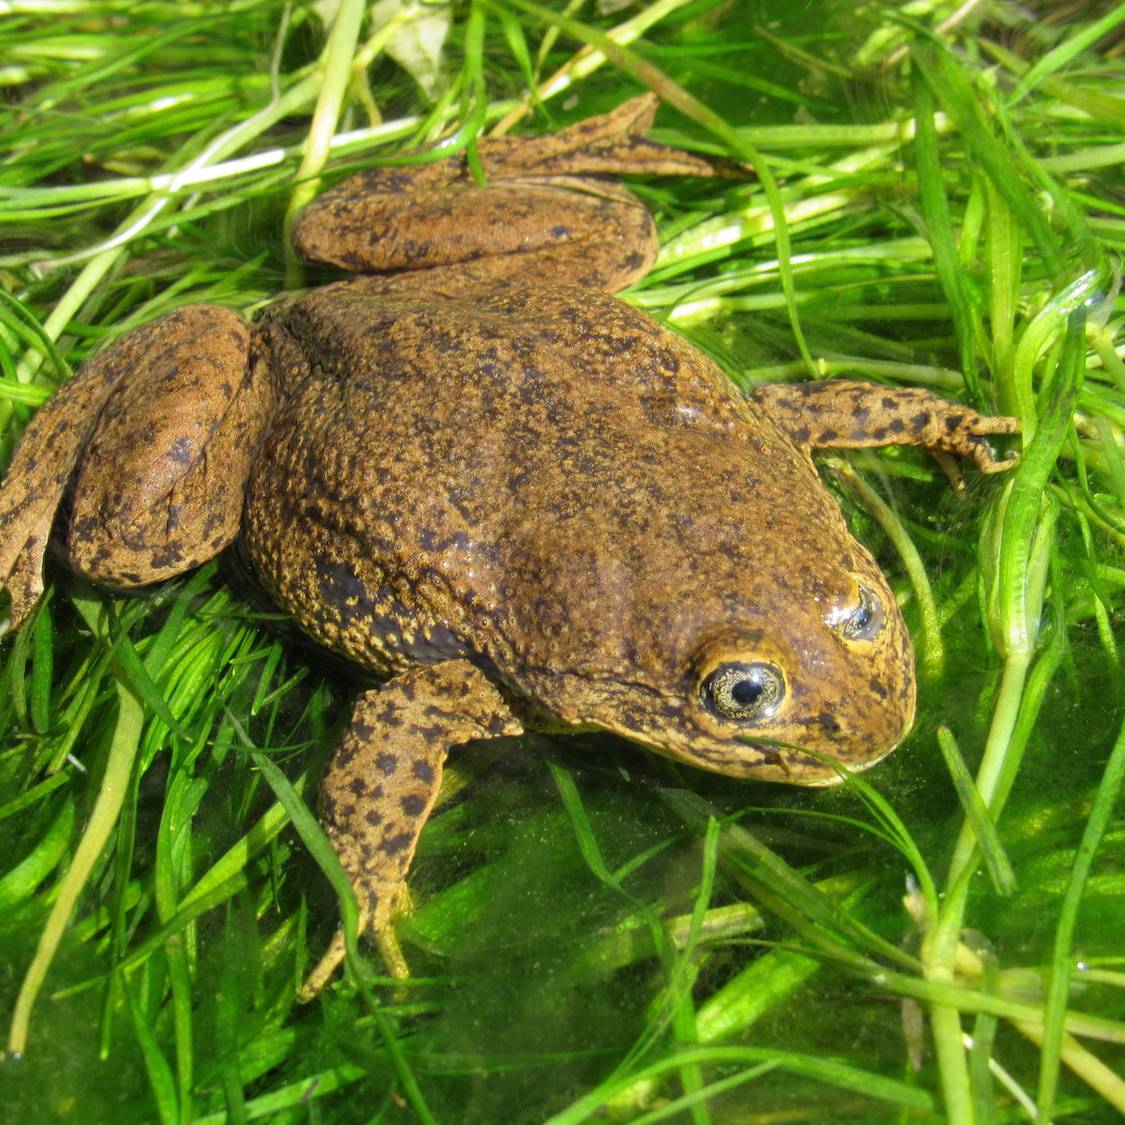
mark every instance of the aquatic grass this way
{"type": "Point", "coordinates": [942, 214]}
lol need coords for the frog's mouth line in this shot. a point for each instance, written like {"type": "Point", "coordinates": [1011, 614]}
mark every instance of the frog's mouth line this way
{"type": "Point", "coordinates": [756, 759]}
{"type": "Point", "coordinates": [787, 762]}
{"type": "Point", "coordinates": [841, 771]}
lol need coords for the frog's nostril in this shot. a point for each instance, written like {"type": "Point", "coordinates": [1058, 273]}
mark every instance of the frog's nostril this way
{"type": "Point", "coordinates": [828, 722]}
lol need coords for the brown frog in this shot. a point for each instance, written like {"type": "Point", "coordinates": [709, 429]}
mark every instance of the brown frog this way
{"type": "Point", "coordinates": [476, 472]}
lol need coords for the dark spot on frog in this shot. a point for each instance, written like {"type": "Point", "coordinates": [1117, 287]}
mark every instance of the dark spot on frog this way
{"type": "Point", "coordinates": [921, 420]}
{"type": "Point", "coordinates": [828, 722]}
{"type": "Point", "coordinates": [413, 804]}
{"type": "Point", "coordinates": [953, 421]}
{"type": "Point", "coordinates": [423, 771]}
{"type": "Point", "coordinates": [430, 732]}
{"type": "Point", "coordinates": [387, 763]}
{"type": "Point", "coordinates": [878, 687]}
{"type": "Point", "coordinates": [170, 556]}
{"type": "Point", "coordinates": [395, 844]}
{"type": "Point", "coordinates": [373, 818]}
{"type": "Point", "coordinates": [561, 231]}
{"type": "Point", "coordinates": [342, 588]}
{"type": "Point", "coordinates": [896, 426]}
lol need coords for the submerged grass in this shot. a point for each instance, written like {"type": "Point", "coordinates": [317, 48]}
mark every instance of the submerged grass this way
{"type": "Point", "coordinates": [938, 205]}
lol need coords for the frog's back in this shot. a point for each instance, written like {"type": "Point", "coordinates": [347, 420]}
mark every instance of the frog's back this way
{"type": "Point", "coordinates": [429, 443]}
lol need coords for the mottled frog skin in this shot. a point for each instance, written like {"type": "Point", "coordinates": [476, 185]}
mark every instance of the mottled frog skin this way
{"type": "Point", "coordinates": [480, 474]}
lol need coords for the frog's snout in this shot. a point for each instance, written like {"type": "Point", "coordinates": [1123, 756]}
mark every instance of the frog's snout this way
{"type": "Point", "coordinates": [838, 685]}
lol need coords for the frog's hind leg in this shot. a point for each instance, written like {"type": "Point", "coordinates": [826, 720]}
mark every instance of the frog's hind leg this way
{"type": "Point", "coordinates": [384, 779]}
{"type": "Point", "coordinates": [548, 211]}
{"type": "Point", "coordinates": [845, 414]}
{"type": "Point", "coordinates": [562, 229]}
{"type": "Point", "coordinates": [153, 439]}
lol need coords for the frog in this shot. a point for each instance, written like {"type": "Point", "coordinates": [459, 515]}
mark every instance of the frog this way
{"type": "Point", "coordinates": [475, 472]}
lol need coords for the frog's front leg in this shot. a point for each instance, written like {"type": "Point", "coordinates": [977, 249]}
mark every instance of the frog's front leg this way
{"type": "Point", "coordinates": [384, 779]}
{"type": "Point", "coordinates": [847, 414]}
{"type": "Point", "coordinates": [154, 439]}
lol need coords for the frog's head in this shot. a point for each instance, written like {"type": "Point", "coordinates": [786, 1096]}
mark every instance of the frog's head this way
{"type": "Point", "coordinates": [727, 634]}
{"type": "Point", "coordinates": [833, 675]}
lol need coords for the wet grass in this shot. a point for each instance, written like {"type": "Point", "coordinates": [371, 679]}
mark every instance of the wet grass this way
{"type": "Point", "coordinates": [595, 931]}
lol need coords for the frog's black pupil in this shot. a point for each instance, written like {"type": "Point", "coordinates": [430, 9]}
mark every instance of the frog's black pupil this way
{"type": "Point", "coordinates": [746, 692]}
{"type": "Point", "coordinates": [862, 616]}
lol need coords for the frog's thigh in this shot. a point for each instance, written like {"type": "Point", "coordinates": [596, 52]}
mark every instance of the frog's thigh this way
{"type": "Point", "coordinates": [540, 229]}
{"type": "Point", "coordinates": [58, 437]}
{"type": "Point", "coordinates": [850, 415]}
{"type": "Point", "coordinates": [386, 773]}
{"type": "Point", "coordinates": [160, 485]}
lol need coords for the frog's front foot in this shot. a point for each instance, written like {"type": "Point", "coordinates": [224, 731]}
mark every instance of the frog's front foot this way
{"type": "Point", "coordinates": [846, 414]}
{"type": "Point", "coordinates": [382, 784]}
{"type": "Point", "coordinates": [392, 901]}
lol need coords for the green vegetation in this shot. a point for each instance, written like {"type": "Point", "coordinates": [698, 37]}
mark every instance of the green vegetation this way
{"type": "Point", "coordinates": [596, 931]}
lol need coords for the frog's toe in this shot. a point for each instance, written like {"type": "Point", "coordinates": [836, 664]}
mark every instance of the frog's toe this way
{"type": "Point", "coordinates": [975, 445]}
{"type": "Point", "coordinates": [985, 459]}
{"type": "Point", "coordinates": [379, 908]}
{"type": "Point", "coordinates": [325, 969]}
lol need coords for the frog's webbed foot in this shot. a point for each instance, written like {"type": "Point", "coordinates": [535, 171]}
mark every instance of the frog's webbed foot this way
{"type": "Point", "coordinates": [547, 211]}
{"type": "Point", "coordinates": [845, 414]}
{"type": "Point", "coordinates": [611, 144]}
{"type": "Point", "coordinates": [382, 784]}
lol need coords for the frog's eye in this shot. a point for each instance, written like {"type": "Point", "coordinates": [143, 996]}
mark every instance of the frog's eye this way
{"type": "Point", "coordinates": [743, 691]}
{"type": "Point", "coordinates": [863, 622]}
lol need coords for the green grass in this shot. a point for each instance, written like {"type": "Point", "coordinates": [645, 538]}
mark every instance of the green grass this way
{"type": "Point", "coordinates": [596, 931]}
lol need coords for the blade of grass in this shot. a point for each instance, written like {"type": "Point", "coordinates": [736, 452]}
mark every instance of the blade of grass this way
{"type": "Point", "coordinates": [1098, 822]}
{"type": "Point", "coordinates": [119, 765]}
{"type": "Point", "coordinates": [312, 836]}
{"type": "Point", "coordinates": [996, 861]}
{"type": "Point", "coordinates": [1066, 52]}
